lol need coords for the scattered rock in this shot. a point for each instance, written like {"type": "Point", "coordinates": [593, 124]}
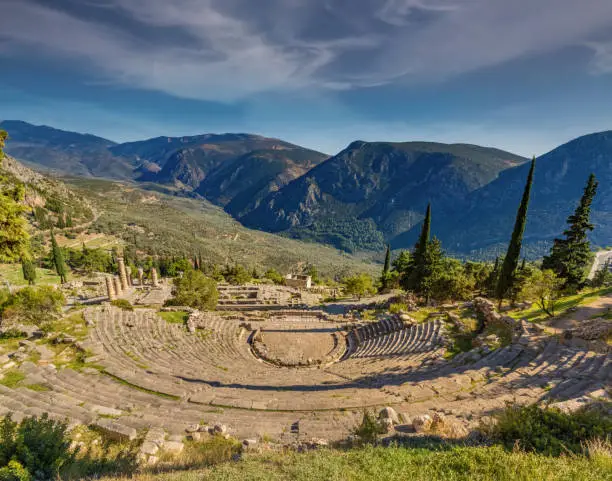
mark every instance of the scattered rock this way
{"type": "Point", "coordinates": [115, 430]}
{"type": "Point", "coordinates": [149, 448]}
{"type": "Point", "coordinates": [422, 423]}
{"type": "Point", "coordinates": [389, 413]}
{"type": "Point", "coordinates": [220, 428]}
{"type": "Point", "coordinates": [173, 447]}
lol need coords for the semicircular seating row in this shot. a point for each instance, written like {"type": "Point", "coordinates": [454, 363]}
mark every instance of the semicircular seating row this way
{"type": "Point", "coordinates": [215, 367]}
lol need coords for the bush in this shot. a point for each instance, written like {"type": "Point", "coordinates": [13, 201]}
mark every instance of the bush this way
{"type": "Point", "coordinates": [32, 305]}
{"type": "Point", "coordinates": [38, 447]}
{"type": "Point", "coordinates": [123, 304]}
{"type": "Point", "coordinates": [195, 290]}
{"type": "Point", "coordinates": [547, 430]}
{"type": "Point", "coordinates": [275, 276]}
{"type": "Point", "coordinates": [369, 429]}
{"type": "Point", "coordinates": [398, 307]}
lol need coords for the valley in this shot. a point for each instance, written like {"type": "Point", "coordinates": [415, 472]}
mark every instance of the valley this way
{"type": "Point", "coordinates": [368, 195]}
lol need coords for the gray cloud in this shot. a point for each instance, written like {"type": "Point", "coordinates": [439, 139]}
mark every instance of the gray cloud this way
{"type": "Point", "coordinates": [230, 49]}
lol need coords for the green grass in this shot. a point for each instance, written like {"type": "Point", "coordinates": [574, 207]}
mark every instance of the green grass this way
{"type": "Point", "coordinates": [38, 387]}
{"type": "Point", "coordinates": [174, 317]}
{"type": "Point", "coordinates": [12, 378]}
{"type": "Point", "coordinates": [400, 464]}
{"type": "Point", "coordinates": [12, 273]}
{"type": "Point", "coordinates": [535, 314]}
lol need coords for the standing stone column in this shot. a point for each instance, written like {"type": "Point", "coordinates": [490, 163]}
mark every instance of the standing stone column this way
{"type": "Point", "coordinates": [122, 273]}
{"type": "Point", "coordinates": [140, 276]}
{"type": "Point", "coordinates": [154, 276]}
{"type": "Point", "coordinates": [110, 288]}
{"type": "Point", "coordinates": [129, 276]}
{"type": "Point", "coordinates": [118, 289]}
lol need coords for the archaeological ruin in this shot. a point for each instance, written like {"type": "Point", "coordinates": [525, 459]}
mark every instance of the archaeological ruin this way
{"type": "Point", "coordinates": [272, 362]}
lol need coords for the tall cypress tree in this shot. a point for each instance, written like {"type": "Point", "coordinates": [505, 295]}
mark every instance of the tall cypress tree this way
{"type": "Point", "coordinates": [421, 247]}
{"type": "Point", "coordinates": [506, 275]}
{"type": "Point", "coordinates": [387, 260]}
{"type": "Point", "coordinates": [570, 256]}
{"type": "Point", "coordinates": [415, 278]}
{"type": "Point", "coordinates": [384, 279]}
{"type": "Point", "coordinates": [58, 259]}
{"type": "Point", "coordinates": [28, 270]}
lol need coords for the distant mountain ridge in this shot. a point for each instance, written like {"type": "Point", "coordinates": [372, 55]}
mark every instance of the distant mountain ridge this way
{"type": "Point", "coordinates": [389, 183]}
{"type": "Point", "coordinates": [369, 194]}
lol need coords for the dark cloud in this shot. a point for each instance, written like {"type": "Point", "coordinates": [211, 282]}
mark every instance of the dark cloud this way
{"type": "Point", "coordinates": [228, 49]}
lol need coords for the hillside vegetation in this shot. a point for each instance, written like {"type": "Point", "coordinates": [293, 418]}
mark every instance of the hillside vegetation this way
{"type": "Point", "coordinates": [169, 225]}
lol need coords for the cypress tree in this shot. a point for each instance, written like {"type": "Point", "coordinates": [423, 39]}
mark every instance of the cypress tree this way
{"type": "Point", "coordinates": [506, 275]}
{"type": "Point", "coordinates": [58, 259]}
{"type": "Point", "coordinates": [28, 270]}
{"type": "Point", "coordinates": [387, 260]}
{"type": "Point", "coordinates": [421, 247]}
{"type": "Point", "coordinates": [570, 256]}
{"type": "Point", "coordinates": [384, 279]}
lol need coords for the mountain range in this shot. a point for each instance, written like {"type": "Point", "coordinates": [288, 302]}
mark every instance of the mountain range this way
{"type": "Point", "coordinates": [369, 194]}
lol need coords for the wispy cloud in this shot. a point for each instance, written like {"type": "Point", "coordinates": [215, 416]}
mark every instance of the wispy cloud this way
{"type": "Point", "coordinates": [231, 49]}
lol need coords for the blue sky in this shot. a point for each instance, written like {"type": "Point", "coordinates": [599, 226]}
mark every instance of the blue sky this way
{"type": "Point", "coordinates": [522, 75]}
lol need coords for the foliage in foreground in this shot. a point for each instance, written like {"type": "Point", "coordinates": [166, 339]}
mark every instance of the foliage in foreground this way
{"type": "Point", "coordinates": [549, 431]}
{"type": "Point", "coordinates": [38, 448]}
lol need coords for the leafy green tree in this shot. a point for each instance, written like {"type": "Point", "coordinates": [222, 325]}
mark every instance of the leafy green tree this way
{"type": "Point", "coordinates": [13, 226]}
{"type": "Point", "coordinates": [431, 269]}
{"type": "Point", "coordinates": [32, 305]}
{"type": "Point", "coordinates": [57, 257]}
{"type": "Point", "coordinates": [274, 276]}
{"type": "Point", "coordinates": [236, 274]}
{"type": "Point", "coordinates": [28, 270]}
{"type": "Point", "coordinates": [544, 288]}
{"type": "Point", "coordinates": [359, 285]}
{"type": "Point", "coordinates": [452, 281]}
{"type": "Point", "coordinates": [195, 290]}
{"type": "Point", "coordinates": [506, 275]}
{"type": "Point", "coordinates": [569, 257]}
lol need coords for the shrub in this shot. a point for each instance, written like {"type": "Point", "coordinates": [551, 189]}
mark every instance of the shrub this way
{"type": "Point", "coordinates": [369, 429]}
{"type": "Point", "coordinates": [14, 471]}
{"type": "Point", "coordinates": [397, 307]}
{"type": "Point", "coordinates": [547, 430]}
{"type": "Point", "coordinates": [195, 290]}
{"type": "Point", "coordinates": [37, 447]}
{"type": "Point", "coordinates": [123, 304]}
{"type": "Point", "coordinates": [274, 276]}
{"type": "Point", "coordinates": [32, 305]}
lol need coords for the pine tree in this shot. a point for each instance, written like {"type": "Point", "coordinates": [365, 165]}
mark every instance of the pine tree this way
{"type": "Point", "coordinates": [69, 222]}
{"type": "Point", "coordinates": [570, 256]}
{"type": "Point", "coordinates": [506, 275]}
{"type": "Point", "coordinates": [60, 221]}
{"type": "Point", "coordinates": [28, 270]}
{"type": "Point", "coordinates": [58, 259]}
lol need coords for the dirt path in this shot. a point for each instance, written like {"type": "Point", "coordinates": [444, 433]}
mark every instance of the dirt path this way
{"type": "Point", "coordinates": [598, 307]}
